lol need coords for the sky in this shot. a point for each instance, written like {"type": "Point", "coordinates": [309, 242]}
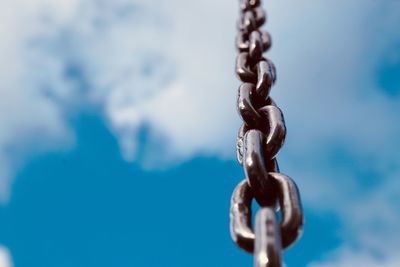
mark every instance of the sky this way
{"type": "Point", "coordinates": [118, 126]}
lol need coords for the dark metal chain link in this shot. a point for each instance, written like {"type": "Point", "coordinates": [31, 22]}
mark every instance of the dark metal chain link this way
{"type": "Point", "coordinates": [259, 140]}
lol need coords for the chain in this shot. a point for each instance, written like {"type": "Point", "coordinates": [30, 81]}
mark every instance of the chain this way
{"type": "Point", "coordinates": [259, 140]}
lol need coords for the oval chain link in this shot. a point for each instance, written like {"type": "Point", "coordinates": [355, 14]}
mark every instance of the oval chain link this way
{"type": "Point", "coordinates": [259, 140]}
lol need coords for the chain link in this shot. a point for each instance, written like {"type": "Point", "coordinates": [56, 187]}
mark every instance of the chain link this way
{"type": "Point", "coordinates": [259, 140]}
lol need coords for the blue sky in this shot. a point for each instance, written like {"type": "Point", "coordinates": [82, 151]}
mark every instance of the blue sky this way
{"type": "Point", "coordinates": [118, 128]}
{"type": "Point", "coordinates": [88, 207]}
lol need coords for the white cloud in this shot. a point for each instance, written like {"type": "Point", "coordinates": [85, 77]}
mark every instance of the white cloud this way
{"type": "Point", "coordinates": [27, 115]}
{"type": "Point", "coordinates": [370, 227]}
{"type": "Point", "coordinates": [346, 257]}
{"type": "Point", "coordinates": [162, 68]}
{"type": "Point", "coordinates": [146, 66]}
{"type": "Point", "coordinates": [342, 146]}
{"type": "Point", "coordinates": [5, 257]}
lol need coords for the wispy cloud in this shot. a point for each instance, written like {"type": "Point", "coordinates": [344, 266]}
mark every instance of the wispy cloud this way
{"type": "Point", "coordinates": [347, 257]}
{"type": "Point", "coordinates": [343, 127]}
{"type": "Point", "coordinates": [5, 257]}
{"type": "Point", "coordinates": [27, 115]}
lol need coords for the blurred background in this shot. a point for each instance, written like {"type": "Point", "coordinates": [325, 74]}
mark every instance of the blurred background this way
{"type": "Point", "coordinates": [118, 126]}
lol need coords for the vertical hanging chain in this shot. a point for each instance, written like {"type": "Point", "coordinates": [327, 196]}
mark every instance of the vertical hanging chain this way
{"type": "Point", "coordinates": [259, 140]}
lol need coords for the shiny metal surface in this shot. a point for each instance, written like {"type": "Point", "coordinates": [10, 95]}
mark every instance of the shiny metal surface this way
{"type": "Point", "coordinates": [266, 77]}
{"type": "Point", "coordinates": [276, 132]}
{"type": "Point", "coordinates": [256, 169]}
{"type": "Point", "coordinates": [248, 4]}
{"type": "Point", "coordinates": [239, 143]}
{"type": "Point", "coordinates": [245, 105]}
{"type": "Point", "coordinates": [240, 217]}
{"type": "Point", "coordinates": [289, 203]}
{"type": "Point", "coordinates": [272, 165]}
{"type": "Point", "coordinates": [267, 40]}
{"type": "Point", "coordinates": [242, 42]}
{"type": "Point", "coordinates": [260, 16]}
{"type": "Point", "coordinates": [243, 68]}
{"type": "Point", "coordinates": [247, 23]}
{"type": "Point", "coordinates": [292, 212]}
{"type": "Point", "coordinates": [256, 46]}
{"type": "Point", "coordinates": [268, 244]}
{"type": "Point", "coordinates": [259, 140]}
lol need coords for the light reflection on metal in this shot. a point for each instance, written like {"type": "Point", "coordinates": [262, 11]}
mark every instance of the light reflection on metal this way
{"type": "Point", "coordinates": [259, 140]}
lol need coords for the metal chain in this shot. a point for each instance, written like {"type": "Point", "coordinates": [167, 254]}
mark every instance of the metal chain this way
{"type": "Point", "coordinates": [259, 140]}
